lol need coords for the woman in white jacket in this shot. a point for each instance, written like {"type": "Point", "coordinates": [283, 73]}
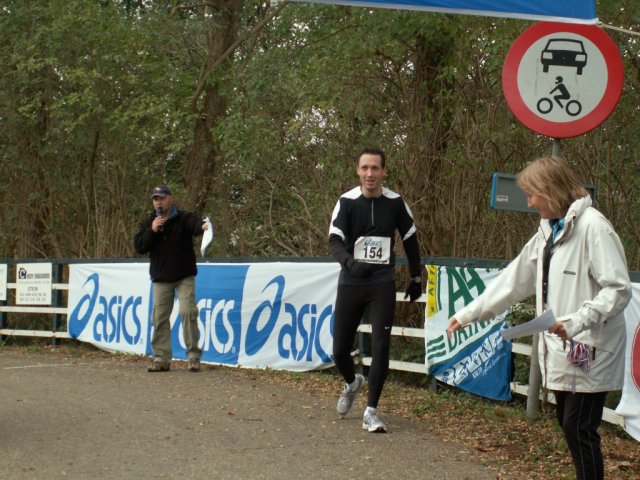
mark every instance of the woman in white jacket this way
{"type": "Point", "coordinates": [586, 283]}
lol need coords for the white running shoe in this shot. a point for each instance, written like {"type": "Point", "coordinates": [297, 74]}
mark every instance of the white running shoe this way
{"type": "Point", "coordinates": [372, 423]}
{"type": "Point", "coordinates": [345, 402]}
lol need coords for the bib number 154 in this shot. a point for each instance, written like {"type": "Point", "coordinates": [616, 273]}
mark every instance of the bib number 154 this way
{"type": "Point", "coordinates": [372, 249]}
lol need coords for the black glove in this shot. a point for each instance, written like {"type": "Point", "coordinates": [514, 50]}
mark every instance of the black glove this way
{"type": "Point", "coordinates": [414, 290]}
{"type": "Point", "coordinates": [358, 269]}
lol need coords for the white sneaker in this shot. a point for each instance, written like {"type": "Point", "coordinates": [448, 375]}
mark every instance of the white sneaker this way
{"type": "Point", "coordinates": [372, 423]}
{"type": "Point", "coordinates": [345, 402]}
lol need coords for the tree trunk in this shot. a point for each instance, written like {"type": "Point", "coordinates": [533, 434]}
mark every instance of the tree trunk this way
{"type": "Point", "coordinates": [208, 103]}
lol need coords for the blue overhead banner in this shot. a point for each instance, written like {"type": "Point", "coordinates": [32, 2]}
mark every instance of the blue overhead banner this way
{"type": "Point", "coordinates": [572, 11]}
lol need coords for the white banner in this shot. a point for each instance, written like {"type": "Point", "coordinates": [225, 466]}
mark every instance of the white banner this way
{"type": "Point", "coordinates": [287, 320]}
{"type": "Point", "coordinates": [275, 315]}
{"type": "Point", "coordinates": [110, 306]}
{"type": "Point", "coordinates": [629, 407]}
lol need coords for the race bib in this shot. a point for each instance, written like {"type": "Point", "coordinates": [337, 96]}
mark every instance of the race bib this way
{"type": "Point", "coordinates": [372, 249]}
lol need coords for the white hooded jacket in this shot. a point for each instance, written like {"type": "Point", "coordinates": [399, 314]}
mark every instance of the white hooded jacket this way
{"type": "Point", "coordinates": [588, 290]}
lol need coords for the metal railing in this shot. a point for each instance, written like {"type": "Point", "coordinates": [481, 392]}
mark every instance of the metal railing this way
{"type": "Point", "coordinates": [608, 414]}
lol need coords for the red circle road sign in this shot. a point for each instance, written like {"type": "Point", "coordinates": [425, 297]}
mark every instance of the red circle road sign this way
{"type": "Point", "coordinates": [562, 80]}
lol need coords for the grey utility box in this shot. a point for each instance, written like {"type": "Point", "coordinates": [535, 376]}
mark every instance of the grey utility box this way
{"type": "Point", "coordinates": [506, 195]}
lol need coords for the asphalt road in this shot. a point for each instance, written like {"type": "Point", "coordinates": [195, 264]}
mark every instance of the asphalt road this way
{"type": "Point", "coordinates": [107, 418]}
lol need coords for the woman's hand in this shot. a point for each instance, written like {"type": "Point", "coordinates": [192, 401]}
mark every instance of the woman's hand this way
{"type": "Point", "coordinates": [453, 326]}
{"type": "Point", "coordinates": [559, 330]}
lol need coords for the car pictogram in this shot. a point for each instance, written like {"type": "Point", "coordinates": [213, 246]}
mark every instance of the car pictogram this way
{"type": "Point", "coordinates": [564, 52]}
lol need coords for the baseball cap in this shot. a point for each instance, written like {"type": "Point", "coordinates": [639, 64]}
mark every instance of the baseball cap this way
{"type": "Point", "coordinates": [161, 191]}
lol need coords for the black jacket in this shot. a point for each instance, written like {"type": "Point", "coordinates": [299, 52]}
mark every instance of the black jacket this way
{"type": "Point", "coordinates": [171, 249]}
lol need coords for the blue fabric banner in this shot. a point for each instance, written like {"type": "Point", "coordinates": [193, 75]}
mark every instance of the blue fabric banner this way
{"type": "Point", "coordinates": [258, 315]}
{"type": "Point", "coordinates": [476, 359]}
{"type": "Point", "coordinates": [572, 11]}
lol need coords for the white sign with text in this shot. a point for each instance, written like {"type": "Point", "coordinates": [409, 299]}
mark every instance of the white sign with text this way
{"type": "Point", "coordinates": [33, 283]}
{"type": "Point", "coordinates": [3, 282]}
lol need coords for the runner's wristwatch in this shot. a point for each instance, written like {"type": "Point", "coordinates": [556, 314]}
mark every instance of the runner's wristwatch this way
{"type": "Point", "coordinates": [417, 279]}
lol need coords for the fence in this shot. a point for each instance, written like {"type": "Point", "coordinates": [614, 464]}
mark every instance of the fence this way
{"type": "Point", "coordinates": [608, 415]}
{"type": "Point", "coordinates": [58, 310]}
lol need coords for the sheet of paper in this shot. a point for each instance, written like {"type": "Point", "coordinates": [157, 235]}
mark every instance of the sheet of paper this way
{"type": "Point", "coordinates": [207, 236]}
{"type": "Point", "coordinates": [537, 325]}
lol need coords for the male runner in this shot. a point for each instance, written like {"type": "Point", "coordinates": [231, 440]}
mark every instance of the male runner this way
{"type": "Point", "coordinates": [362, 239]}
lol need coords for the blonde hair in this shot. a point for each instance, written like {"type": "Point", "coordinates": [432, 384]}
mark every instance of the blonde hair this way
{"type": "Point", "coordinates": [552, 179]}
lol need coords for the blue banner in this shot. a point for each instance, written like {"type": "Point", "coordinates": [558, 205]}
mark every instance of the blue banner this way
{"type": "Point", "coordinates": [275, 315]}
{"type": "Point", "coordinates": [572, 11]}
{"type": "Point", "coordinates": [476, 358]}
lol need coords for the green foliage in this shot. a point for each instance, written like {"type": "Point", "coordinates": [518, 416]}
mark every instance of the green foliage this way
{"type": "Point", "coordinates": [84, 122]}
{"type": "Point", "coordinates": [101, 100]}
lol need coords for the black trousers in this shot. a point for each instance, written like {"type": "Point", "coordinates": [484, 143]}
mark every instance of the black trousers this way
{"type": "Point", "coordinates": [351, 302]}
{"type": "Point", "coordinates": [579, 415]}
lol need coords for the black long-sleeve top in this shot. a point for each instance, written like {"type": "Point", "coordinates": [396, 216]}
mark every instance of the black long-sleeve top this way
{"type": "Point", "coordinates": [357, 216]}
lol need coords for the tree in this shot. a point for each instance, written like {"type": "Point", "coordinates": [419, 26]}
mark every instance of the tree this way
{"type": "Point", "coordinates": [255, 114]}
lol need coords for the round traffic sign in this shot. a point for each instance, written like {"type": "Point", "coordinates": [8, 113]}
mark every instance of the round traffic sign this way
{"type": "Point", "coordinates": [562, 80]}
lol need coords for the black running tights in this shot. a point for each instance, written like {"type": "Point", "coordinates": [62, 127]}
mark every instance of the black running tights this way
{"type": "Point", "coordinates": [351, 302]}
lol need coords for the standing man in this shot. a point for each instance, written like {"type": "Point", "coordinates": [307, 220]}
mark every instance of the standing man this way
{"type": "Point", "coordinates": [362, 239]}
{"type": "Point", "coordinates": [167, 236]}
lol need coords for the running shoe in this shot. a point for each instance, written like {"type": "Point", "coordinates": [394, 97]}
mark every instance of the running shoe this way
{"type": "Point", "coordinates": [345, 402]}
{"type": "Point", "coordinates": [372, 423]}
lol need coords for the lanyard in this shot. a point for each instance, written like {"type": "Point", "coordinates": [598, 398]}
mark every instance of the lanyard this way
{"type": "Point", "coordinates": [556, 228]}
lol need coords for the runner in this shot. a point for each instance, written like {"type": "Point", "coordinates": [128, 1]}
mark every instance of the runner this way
{"type": "Point", "coordinates": [362, 239]}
